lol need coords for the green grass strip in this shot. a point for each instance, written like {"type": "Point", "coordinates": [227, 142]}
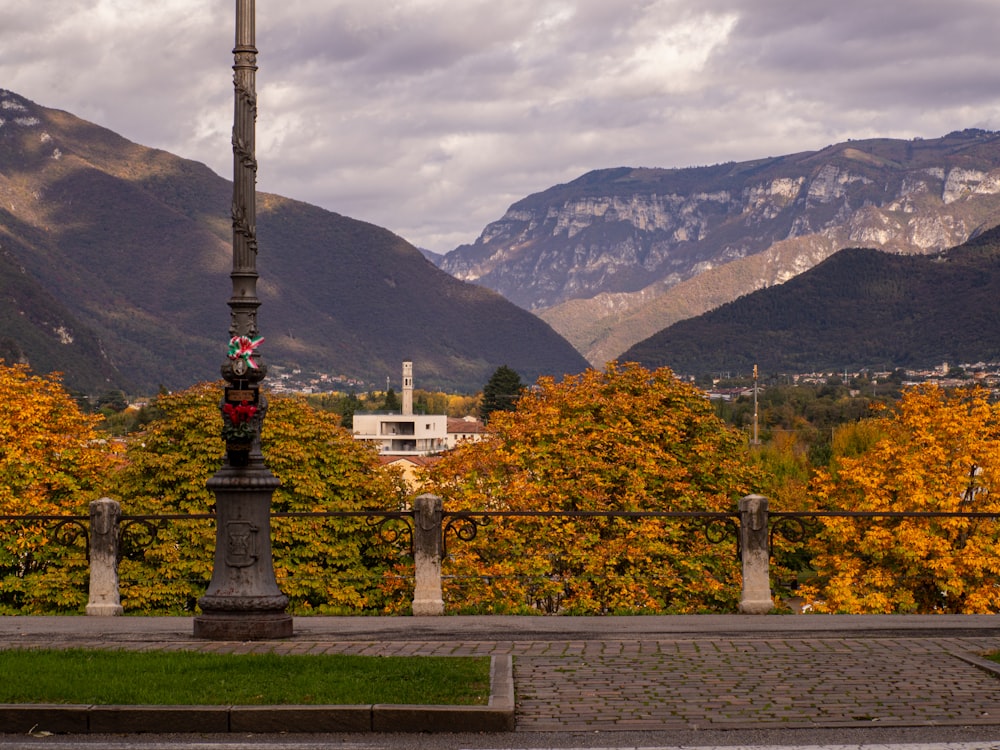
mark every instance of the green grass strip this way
{"type": "Point", "coordinates": [94, 677]}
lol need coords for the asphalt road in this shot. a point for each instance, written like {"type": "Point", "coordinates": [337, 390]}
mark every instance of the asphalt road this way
{"type": "Point", "coordinates": [913, 738]}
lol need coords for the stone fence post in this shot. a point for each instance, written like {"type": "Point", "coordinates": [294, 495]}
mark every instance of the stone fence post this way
{"type": "Point", "coordinates": [755, 556]}
{"type": "Point", "coordinates": [105, 515]}
{"type": "Point", "coordinates": [428, 511]}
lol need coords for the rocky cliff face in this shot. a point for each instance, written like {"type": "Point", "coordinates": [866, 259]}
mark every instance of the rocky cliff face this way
{"type": "Point", "coordinates": [598, 258]}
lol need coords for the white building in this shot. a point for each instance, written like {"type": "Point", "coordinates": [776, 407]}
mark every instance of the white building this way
{"type": "Point", "coordinates": [406, 433]}
{"type": "Point", "coordinates": [466, 430]}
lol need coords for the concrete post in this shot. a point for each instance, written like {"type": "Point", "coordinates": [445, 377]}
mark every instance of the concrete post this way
{"type": "Point", "coordinates": [427, 546]}
{"type": "Point", "coordinates": [756, 596]}
{"type": "Point", "coordinates": [104, 599]}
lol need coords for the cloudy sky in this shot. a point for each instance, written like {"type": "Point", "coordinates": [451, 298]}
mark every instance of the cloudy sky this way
{"type": "Point", "coordinates": [430, 117]}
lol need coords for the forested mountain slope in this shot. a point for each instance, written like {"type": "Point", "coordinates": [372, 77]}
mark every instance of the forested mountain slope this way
{"type": "Point", "coordinates": [115, 261]}
{"type": "Point", "coordinates": [860, 308]}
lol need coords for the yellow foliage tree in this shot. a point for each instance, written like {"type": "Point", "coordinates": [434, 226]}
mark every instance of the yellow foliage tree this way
{"type": "Point", "coordinates": [324, 565]}
{"type": "Point", "coordinates": [52, 462]}
{"type": "Point", "coordinates": [626, 439]}
{"type": "Point", "coordinates": [938, 451]}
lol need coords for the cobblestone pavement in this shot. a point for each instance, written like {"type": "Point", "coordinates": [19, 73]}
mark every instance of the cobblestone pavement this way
{"type": "Point", "coordinates": [714, 685]}
{"type": "Point", "coordinates": [700, 682]}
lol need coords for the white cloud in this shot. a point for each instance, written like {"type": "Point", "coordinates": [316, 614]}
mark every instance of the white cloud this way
{"type": "Point", "coordinates": [430, 117]}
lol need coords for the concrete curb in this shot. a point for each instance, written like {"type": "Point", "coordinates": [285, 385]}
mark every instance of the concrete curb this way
{"type": "Point", "coordinates": [497, 716]}
{"type": "Point", "coordinates": [987, 665]}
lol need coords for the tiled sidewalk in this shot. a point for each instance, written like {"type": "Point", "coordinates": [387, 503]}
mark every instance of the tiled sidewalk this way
{"type": "Point", "coordinates": [704, 683]}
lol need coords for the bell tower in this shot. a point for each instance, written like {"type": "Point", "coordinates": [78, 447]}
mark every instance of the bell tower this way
{"type": "Point", "coordinates": [407, 388]}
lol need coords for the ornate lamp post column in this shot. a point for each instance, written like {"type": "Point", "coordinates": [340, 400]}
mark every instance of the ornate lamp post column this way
{"type": "Point", "coordinates": [243, 601]}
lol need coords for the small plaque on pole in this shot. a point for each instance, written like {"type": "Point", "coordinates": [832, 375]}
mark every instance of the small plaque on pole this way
{"type": "Point", "coordinates": [238, 394]}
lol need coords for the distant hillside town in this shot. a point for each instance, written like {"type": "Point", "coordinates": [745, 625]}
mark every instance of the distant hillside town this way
{"type": "Point", "coordinates": [982, 374]}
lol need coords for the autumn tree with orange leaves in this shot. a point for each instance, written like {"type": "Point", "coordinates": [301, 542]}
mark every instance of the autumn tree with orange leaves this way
{"type": "Point", "coordinates": [937, 452]}
{"type": "Point", "coordinates": [52, 462]}
{"type": "Point", "coordinates": [625, 439]}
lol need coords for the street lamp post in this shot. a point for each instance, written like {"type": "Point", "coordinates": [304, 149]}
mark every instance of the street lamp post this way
{"type": "Point", "coordinates": [243, 601]}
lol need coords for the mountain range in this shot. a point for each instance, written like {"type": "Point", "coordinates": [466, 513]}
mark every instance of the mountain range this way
{"type": "Point", "coordinates": [115, 262]}
{"type": "Point", "coordinates": [858, 309]}
{"type": "Point", "coordinates": [618, 254]}
{"type": "Point", "coordinates": [114, 265]}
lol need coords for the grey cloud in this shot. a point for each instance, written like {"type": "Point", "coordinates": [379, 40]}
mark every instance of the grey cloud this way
{"type": "Point", "coordinates": [430, 118]}
{"type": "Point", "coordinates": [793, 40]}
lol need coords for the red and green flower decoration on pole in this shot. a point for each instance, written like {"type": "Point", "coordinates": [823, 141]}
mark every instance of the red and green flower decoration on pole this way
{"type": "Point", "coordinates": [239, 414]}
{"type": "Point", "coordinates": [241, 353]}
{"type": "Point", "coordinates": [238, 430]}
{"type": "Point", "coordinates": [238, 423]}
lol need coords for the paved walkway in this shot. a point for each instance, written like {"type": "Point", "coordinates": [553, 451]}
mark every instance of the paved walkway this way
{"type": "Point", "coordinates": [634, 673]}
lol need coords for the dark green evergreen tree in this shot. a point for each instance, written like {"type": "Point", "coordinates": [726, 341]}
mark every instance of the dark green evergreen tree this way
{"type": "Point", "coordinates": [345, 406]}
{"type": "Point", "coordinates": [501, 392]}
{"type": "Point", "coordinates": [392, 402]}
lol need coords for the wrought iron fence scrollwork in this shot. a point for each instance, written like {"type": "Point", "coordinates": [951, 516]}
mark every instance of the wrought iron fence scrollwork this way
{"type": "Point", "coordinates": [716, 527]}
{"type": "Point", "coordinates": [380, 521]}
{"type": "Point", "coordinates": [65, 530]}
{"type": "Point", "coordinates": [392, 528]}
{"type": "Point", "coordinates": [792, 527]}
{"type": "Point", "coordinates": [797, 526]}
{"type": "Point", "coordinates": [68, 530]}
{"type": "Point", "coordinates": [465, 526]}
{"type": "Point", "coordinates": [152, 525]}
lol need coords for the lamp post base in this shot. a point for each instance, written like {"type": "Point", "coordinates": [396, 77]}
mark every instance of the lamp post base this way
{"type": "Point", "coordinates": [243, 626]}
{"type": "Point", "coordinates": [243, 601]}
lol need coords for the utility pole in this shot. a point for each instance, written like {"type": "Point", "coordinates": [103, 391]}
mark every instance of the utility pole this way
{"type": "Point", "coordinates": [756, 441]}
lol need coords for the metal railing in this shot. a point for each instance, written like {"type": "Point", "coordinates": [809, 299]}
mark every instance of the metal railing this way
{"type": "Point", "coordinates": [425, 531]}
